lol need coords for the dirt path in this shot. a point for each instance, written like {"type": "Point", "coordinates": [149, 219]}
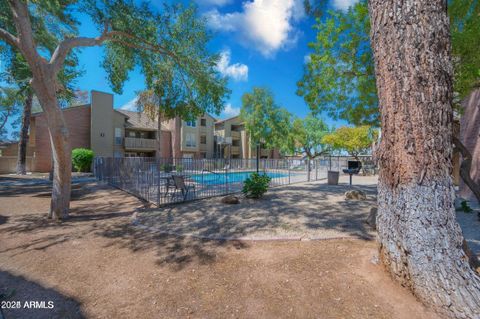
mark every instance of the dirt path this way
{"type": "Point", "coordinates": [96, 265]}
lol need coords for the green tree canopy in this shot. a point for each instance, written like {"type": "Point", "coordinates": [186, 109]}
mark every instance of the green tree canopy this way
{"type": "Point", "coordinates": [307, 136]}
{"type": "Point", "coordinates": [353, 140]}
{"type": "Point", "coordinates": [339, 76]}
{"type": "Point", "coordinates": [465, 34]}
{"type": "Point", "coordinates": [10, 108]}
{"type": "Point", "coordinates": [191, 90]}
{"type": "Point", "coordinates": [265, 121]}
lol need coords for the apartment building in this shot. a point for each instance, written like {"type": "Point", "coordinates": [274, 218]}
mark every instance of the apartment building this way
{"type": "Point", "coordinates": [113, 132]}
{"type": "Point", "coordinates": [232, 140]}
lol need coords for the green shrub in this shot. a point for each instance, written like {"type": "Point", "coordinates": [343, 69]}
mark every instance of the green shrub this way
{"type": "Point", "coordinates": [82, 159]}
{"type": "Point", "coordinates": [179, 168]}
{"type": "Point", "coordinates": [256, 185]}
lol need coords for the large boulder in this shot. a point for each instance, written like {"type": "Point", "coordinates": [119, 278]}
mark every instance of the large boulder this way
{"type": "Point", "coordinates": [372, 218]}
{"type": "Point", "coordinates": [355, 194]}
{"type": "Point", "coordinates": [230, 199]}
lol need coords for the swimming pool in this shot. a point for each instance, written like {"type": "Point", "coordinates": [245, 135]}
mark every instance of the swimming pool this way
{"type": "Point", "coordinates": [230, 177]}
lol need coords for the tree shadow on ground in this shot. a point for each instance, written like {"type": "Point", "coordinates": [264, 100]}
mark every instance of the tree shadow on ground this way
{"type": "Point", "coordinates": [18, 288]}
{"type": "Point", "coordinates": [309, 210]}
{"type": "Point", "coordinates": [101, 211]}
{"type": "Point", "coordinates": [98, 210]}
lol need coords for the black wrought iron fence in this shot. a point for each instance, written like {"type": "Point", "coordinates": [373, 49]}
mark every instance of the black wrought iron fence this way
{"type": "Point", "coordinates": [164, 181]}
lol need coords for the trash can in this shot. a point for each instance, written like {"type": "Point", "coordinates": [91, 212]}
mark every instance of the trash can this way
{"type": "Point", "coordinates": [333, 177]}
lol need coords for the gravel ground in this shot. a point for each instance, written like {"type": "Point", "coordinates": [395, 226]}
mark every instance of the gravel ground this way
{"type": "Point", "coordinates": [300, 211]}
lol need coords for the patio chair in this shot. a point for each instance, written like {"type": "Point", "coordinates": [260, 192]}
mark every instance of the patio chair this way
{"type": "Point", "coordinates": [179, 184]}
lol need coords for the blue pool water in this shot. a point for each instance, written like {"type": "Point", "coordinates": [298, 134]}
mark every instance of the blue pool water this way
{"type": "Point", "coordinates": [231, 177]}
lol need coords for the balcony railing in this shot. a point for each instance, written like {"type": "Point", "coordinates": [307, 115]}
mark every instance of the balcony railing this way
{"type": "Point", "coordinates": [140, 143]}
{"type": "Point", "coordinates": [235, 134]}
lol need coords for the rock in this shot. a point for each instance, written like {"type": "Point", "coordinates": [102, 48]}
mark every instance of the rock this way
{"type": "Point", "coordinates": [355, 194]}
{"type": "Point", "coordinates": [372, 218]}
{"type": "Point", "coordinates": [230, 199]}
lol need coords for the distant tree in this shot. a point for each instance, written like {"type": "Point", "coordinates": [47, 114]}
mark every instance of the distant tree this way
{"type": "Point", "coordinates": [132, 34]}
{"type": "Point", "coordinates": [10, 108]}
{"type": "Point", "coordinates": [307, 136]}
{"type": "Point", "coordinates": [265, 122]}
{"type": "Point", "coordinates": [353, 140]}
{"type": "Point", "coordinates": [465, 29]}
{"type": "Point", "coordinates": [339, 76]}
{"type": "Point", "coordinates": [17, 73]}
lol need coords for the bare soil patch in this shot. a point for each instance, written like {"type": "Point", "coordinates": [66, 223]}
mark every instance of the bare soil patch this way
{"type": "Point", "coordinates": [97, 265]}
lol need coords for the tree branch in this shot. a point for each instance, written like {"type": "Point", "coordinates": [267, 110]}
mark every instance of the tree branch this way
{"type": "Point", "coordinates": [9, 38]}
{"type": "Point", "coordinates": [21, 19]}
{"type": "Point", "coordinates": [465, 167]}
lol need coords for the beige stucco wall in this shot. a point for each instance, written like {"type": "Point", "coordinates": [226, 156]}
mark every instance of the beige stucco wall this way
{"type": "Point", "coordinates": [102, 124]}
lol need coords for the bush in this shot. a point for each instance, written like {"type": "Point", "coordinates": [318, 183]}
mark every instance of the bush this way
{"type": "Point", "coordinates": [82, 159]}
{"type": "Point", "coordinates": [256, 185]}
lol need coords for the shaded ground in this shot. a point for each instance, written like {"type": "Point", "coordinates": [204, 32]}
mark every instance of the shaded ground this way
{"type": "Point", "coordinates": [302, 211]}
{"type": "Point", "coordinates": [98, 265]}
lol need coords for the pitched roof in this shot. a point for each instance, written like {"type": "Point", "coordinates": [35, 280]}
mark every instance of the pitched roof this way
{"type": "Point", "coordinates": [138, 120]}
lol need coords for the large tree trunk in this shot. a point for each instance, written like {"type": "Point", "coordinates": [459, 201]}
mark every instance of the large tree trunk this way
{"type": "Point", "coordinates": [23, 143]}
{"type": "Point", "coordinates": [44, 87]}
{"type": "Point", "coordinates": [420, 240]}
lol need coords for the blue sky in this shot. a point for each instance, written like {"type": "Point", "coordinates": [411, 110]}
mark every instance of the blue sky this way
{"type": "Point", "coordinates": [262, 43]}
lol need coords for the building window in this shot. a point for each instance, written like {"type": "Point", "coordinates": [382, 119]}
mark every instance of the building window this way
{"type": "Point", "coordinates": [203, 154]}
{"type": "Point", "coordinates": [118, 136]}
{"type": "Point", "coordinates": [191, 140]}
{"type": "Point", "coordinates": [203, 122]}
{"type": "Point", "coordinates": [203, 139]}
{"type": "Point", "coordinates": [191, 123]}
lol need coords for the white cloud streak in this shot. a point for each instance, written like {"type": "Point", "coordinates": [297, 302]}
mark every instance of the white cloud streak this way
{"type": "Point", "coordinates": [236, 71]}
{"type": "Point", "coordinates": [230, 111]}
{"type": "Point", "coordinates": [130, 105]}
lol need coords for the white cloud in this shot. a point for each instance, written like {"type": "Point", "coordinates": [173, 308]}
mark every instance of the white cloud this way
{"type": "Point", "coordinates": [237, 71]}
{"type": "Point", "coordinates": [307, 58]}
{"type": "Point", "coordinates": [266, 25]}
{"type": "Point", "coordinates": [343, 4]}
{"type": "Point", "coordinates": [130, 105]}
{"type": "Point", "coordinates": [230, 111]}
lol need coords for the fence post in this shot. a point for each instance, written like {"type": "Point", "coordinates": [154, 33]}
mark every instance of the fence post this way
{"type": "Point", "coordinates": [288, 165]}
{"type": "Point", "coordinates": [309, 169]}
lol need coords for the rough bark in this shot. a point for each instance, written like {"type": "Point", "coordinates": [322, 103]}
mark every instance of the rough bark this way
{"type": "Point", "coordinates": [420, 240]}
{"type": "Point", "coordinates": [44, 83]}
{"type": "Point", "coordinates": [23, 142]}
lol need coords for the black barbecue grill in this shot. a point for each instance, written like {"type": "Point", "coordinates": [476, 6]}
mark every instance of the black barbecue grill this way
{"type": "Point", "coordinates": [354, 167]}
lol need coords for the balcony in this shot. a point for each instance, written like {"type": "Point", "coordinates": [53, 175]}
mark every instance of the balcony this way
{"type": "Point", "coordinates": [133, 143]}
{"type": "Point", "coordinates": [236, 134]}
{"type": "Point", "coordinates": [235, 150]}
